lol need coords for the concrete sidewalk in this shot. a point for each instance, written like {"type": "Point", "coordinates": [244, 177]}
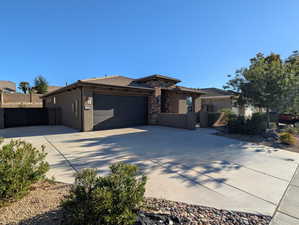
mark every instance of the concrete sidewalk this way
{"type": "Point", "coordinates": [287, 212]}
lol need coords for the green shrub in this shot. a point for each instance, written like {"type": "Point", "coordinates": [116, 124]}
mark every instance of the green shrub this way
{"type": "Point", "coordinates": [1, 140]}
{"type": "Point", "coordinates": [287, 138]}
{"type": "Point", "coordinates": [236, 124]}
{"type": "Point", "coordinates": [292, 130]}
{"type": "Point", "coordinates": [110, 200]}
{"type": "Point", "coordinates": [213, 117]}
{"type": "Point", "coordinates": [20, 166]}
{"type": "Point", "coordinates": [257, 124]}
{"type": "Point", "coordinates": [227, 114]}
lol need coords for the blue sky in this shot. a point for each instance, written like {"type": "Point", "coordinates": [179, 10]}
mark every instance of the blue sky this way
{"type": "Point", "coordinates": [197, 41]}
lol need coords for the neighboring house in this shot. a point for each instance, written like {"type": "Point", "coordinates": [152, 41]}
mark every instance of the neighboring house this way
{"type": "Point", "coordinates": [9, 98]}
{"type": "Point", "coordinates": [216, 99]}
{"type": "Point", "coordinates": [118, 101]}
{"type": "Point", "coordinates": [7, 86]}
{"type": "Point", "coordinates": [53, 88]}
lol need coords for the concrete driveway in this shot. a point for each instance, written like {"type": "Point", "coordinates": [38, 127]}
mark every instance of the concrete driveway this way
{"type": "Point", "coordinates": [196, 167]}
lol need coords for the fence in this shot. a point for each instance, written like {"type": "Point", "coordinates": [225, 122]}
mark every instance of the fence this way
{"type": "Point", "coordinates": [15, 117]}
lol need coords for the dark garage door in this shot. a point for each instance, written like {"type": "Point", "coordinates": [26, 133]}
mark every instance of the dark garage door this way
{"type": "Point", "coordinates": [111, 111]}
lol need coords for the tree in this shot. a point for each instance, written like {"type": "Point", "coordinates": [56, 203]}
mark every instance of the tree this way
{"type": "Point", "coordinates": [265, 83]}
{"type": "Point", "coordinates": [24, 86]}
{"type": "Point", "coordinates": [292, 64]}
{"type": "Point", "coordinates": [40, 85]}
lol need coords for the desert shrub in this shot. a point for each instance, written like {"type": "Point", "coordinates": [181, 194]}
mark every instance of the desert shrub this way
{"type": "Point", "coordinates": [287, 138]}
{"type": "Point", "coordinates": [257, 124]}
{"type": "Point", "coordinates": [213, 117]}
{"type": "Point", "coordinates": [236, 124]}
{"type": "Point", "coordinates": [109, 200]}
{"type": "Point", "coordinates": [227, 114]}
{"type": "Point", "coordinates": [21, 165]}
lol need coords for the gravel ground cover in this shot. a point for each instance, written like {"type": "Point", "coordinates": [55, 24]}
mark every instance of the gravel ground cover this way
{"type": "Point", "coordinates": [258, 139]}
{"type": "Point", "coordinates": [41, 207]}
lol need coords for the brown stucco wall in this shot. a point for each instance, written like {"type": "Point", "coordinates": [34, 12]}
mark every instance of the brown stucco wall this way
{"type": "Point", "coordinates": [175, 102]}
{"type": "Point", "coordinates": [217, 103]}
{"type": "Point", "coordinates": [18, 100]}
{"type": "Point", "coordinates": [66, 101]}
{"type": "Point", "coordinates": [87, 99]}
{"type": "Point", "coordinates": [7, 85]}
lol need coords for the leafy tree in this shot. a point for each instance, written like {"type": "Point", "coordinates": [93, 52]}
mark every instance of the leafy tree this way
{"type": "Point", "coordinates": [265, 83]}
{"type": "Point", "coordinates": [40, 85]}
{"type": "Point", "coordinates": [292, 98]}
{"type": "Point", "coordinates": [24, 86]}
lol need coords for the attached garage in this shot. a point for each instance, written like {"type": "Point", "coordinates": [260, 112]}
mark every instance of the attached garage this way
{"type": "Point", "coordinates": [114, 111]}
{"type": "Point", "coordinates": [117, 102]}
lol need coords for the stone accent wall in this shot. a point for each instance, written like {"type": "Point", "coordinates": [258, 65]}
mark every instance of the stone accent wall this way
{"type": "Point", "coordinates": [174, 102]}
{"type": "Point", "coordinates": [185, 121]}
{"type": "Point", "coordinates": [154, 106]}
{"type": "Point", "coordinates": [159, 83]}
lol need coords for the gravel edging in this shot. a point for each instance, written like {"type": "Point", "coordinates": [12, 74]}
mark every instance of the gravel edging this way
{"type": "Point", "coordinates": [201, 215]}
{"type": "Point", "coordinates": [259, 139]}
{"type": "Point", "coordinates": [41, 207]}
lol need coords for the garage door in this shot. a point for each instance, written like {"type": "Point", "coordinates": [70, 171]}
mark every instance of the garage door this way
{"type": "Point", "coordinates": [111, 111]}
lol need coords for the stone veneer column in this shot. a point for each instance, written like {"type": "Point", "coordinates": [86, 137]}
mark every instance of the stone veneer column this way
{"type": "Point", "coordinates": [154, 107]}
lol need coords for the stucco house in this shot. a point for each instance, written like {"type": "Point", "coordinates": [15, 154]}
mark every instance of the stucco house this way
{"type": "Point", "coordinates": [7, 86]}
{"type": "Point", "coordinates": [216, 99]}
{"type": "Point", "coordinates": [118, 101]}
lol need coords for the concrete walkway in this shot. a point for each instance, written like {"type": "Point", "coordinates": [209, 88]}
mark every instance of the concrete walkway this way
{"type": "Point", "coordinates": [287, 213]}
{"type": "Point", "coordinates": [195, 167]}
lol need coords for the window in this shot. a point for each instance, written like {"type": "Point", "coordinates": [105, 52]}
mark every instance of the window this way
{"type": "Point", "coordinates": [54, 100]}
{"type": "Point", "coordinates": [189, 102]}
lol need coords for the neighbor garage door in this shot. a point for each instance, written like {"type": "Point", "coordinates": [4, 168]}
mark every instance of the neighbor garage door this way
{"type": "Point", "coordinates": [111, 111]}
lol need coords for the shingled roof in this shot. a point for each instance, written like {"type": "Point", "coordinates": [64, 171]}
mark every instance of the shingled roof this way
{"type": "Point", "coordinates": [126, 82]}
{"type": "Point", "coordinates": [115, 81]}
{"type": "Point", "coordinates": [217, 92]}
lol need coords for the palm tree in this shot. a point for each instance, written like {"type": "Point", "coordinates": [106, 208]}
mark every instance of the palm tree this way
{"type": "Point", "coordinates": [24, 86]}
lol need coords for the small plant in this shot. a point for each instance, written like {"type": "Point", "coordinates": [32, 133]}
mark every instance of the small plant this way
{"type": "Point", "coordinates": [287, 138]}
{"type": "Point", "coordinates": [20, 166]}
{"type": "Point", "coordinates": [1, 140]}
{"type": "Point", "coordinates": [292, 130]}
{"type": "Point", "coordinates": [227, 114]}
{"type": "Point", "coordinates": [110, 200]}
{"type": "Point", "coordinates": [212, 118]}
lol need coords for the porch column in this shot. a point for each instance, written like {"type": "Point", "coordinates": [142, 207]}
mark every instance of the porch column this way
{"type": "Point", "coordinates": [154, 106]}
{"type": "Point", "coordinates": [196, 103]}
